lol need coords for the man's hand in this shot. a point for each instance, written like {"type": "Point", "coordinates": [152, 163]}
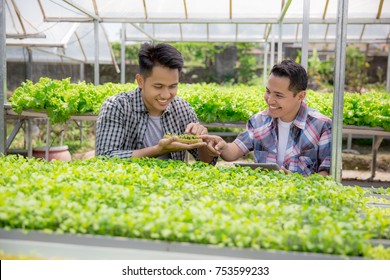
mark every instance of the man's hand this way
{"type": "Point", "coordinates": [196, 128]}
{"type": "Point", "coordinates": [323, 173]}
{"type": "Point", "coordinates": [286, 171]}
{"type": "Point", "coordinates": [167, 145]}
{"type": "Point", "coordinates": [215, 144]}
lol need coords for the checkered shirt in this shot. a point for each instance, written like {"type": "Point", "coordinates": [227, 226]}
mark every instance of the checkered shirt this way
{"type": "Point", "coordinates": [123, 119]}
{"type": "Point", "coordinates": [308, 148]}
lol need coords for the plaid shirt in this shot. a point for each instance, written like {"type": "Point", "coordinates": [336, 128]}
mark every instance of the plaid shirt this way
{"type": "Point", "coordinates": [123, 119]}
{"type": "Point", "coordinates": [308, 148]}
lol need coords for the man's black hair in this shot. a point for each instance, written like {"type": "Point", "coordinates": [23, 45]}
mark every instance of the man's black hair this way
{"type": "Point", "coordinates": [295, 72]}
{"type": "Point", "coordinates": [158, 55]}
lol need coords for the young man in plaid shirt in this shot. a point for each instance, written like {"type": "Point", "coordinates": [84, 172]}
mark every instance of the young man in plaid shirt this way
{"type": "Point", "coordinates": [132, 124]}
{"type": "Point", "coordinates": [288, 132]}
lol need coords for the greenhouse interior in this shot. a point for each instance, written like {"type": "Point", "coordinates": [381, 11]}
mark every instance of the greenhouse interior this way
{"type": "Point", "coordinates": [62, 59]}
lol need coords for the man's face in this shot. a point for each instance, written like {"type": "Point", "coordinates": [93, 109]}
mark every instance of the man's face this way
{"type": "Point", "coordinates": [281, 101]}
{"type": "Point", "coordinates": [159, 89]}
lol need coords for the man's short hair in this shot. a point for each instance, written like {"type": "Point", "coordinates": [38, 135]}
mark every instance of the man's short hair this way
{"type": "Point", "coordinates": [295, 72]}
{"type": "Point", "coordinates": [162, 54]}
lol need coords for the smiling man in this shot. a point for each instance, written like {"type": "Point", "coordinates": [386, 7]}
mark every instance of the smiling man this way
{"type": "Point", "coordinates": [288, 133]}
{"type": "Point", "coordinates": [132, 124]}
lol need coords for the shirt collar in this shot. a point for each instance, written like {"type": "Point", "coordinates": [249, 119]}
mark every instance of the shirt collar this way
{"type": "Point", "coordinates": [138, 105]}
{"type": "Point", "coordinates": [300, 119]}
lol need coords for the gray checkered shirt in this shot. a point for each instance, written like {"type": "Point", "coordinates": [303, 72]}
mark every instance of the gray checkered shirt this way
{"type": "Point", "coordinates": [123, 120]}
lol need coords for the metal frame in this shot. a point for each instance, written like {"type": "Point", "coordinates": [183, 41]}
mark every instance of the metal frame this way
{"type": "Point", "coordinates": [3, 78]}
{"type": "Point", "coordinates": [338, 98]}
{"type": "Point", "coordinates": [183, 19]}
{"type": "Point", "coordinates": [88, 246]}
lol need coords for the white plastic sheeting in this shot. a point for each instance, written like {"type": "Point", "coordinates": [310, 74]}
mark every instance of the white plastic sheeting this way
{"type": "Point", "coordinates": [67, 26]}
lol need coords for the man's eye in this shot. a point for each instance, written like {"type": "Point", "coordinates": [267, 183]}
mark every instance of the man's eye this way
{"type": "Point", "coordinates": [157, 86]}
{"type": "Point", "coordinates": [174, 86]}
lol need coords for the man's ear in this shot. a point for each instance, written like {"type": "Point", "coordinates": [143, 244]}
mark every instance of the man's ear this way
{"type": "Point", "coordinates": [302, 95]}
{"type": "Point", "coordinates": [140, 80]}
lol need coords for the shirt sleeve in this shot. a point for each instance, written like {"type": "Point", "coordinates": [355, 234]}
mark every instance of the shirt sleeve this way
{"type": "Point", "coordinates": [110, 131]}
{"type": "Point", "coordinates": [244, 140]}
{"type": "Point", "coordinates": [325, 146]}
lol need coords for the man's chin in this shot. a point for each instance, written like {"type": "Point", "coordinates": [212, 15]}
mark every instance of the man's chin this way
{"type": "Point", "coordinates": [273, 114]}
{"type": "Point", "coordinates": [162, 107]}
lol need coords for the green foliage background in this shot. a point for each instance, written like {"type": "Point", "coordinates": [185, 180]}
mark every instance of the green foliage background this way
{"type": "Point", "coordinates": [212, 102]}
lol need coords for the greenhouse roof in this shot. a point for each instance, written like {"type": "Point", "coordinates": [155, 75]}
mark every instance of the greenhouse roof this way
{"type": "Point", "coordinates": [66, 28]}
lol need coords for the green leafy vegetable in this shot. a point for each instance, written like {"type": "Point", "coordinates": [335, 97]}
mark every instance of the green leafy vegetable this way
{"type": "Point", "coordinates": [199, 203]}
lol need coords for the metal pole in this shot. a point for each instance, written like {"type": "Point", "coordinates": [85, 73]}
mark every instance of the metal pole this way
{"type": "Point", "coordinates": [280, 50]}
{"type": "Point", "coordinates": [47, 147]}
{"type": "Point", "coordinates": [3, 79]}
{"type": "Point", "coordinates": [265, 71]}
{"type": "Point", "coordinates": [388, 71]}
{"type": "Point", "coordinates": [81, 122]}
{"type": "Point", "coordinates": [272, 58]}
{"type": "Point", "coordinates": [96, 68]}
{"type": "Point", "coordinates": [82, 78]}
{"type": "Point", "coordinates": [29, 138]}
{"type": "Point", "coordinates": [338, 98]}
{"type": "Point", "coordinates": [305, 33]}
{"type": "Point", "coordinates": [81, 132]}
{"type": "Point", "coordinates": [29, 66]}
{"type": "Point", "coordinates": [123, 53]}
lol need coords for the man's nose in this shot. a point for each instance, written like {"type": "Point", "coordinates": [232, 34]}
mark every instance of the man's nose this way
{"type": "Point", "coordinates": [270, 99]}
{"type": "Point", "coordinates": [165, 93]}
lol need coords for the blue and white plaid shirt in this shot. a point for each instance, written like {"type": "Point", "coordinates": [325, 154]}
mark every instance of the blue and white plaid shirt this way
{"type": "Point", "coordinates": [123, 119]}
{"type": "Point", "coordinates": [308, 148]}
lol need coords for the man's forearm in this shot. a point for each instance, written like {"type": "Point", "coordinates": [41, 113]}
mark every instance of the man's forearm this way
{"type": "Point", "coordinates": [324, 173]}
{"type": "Point", "coordinates": [153, 151]}
{"type": "Point", "coordinates": [204, 155]}
{"type": "Point", "coordinates": [231, 152]}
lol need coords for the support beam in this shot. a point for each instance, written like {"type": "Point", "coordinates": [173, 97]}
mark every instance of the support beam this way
{"type": "Point", "coordinates": [26, 36]}
{"type": "Point", "coordinates": [3, 79]}
{"type": "Point", "coordinates": [47, 146]}
{"type": "Point", "coordinates": [284, 11]}
{"type": "Point", "coordinates": [29, 65]}
{"type": "Point", "coordinates": [96, 66]}
{"type": "Point", "coordinates": [82, 78]}
{"type": "Point", "coordinates": [280, 29]}
{"type": "Point", "coordinates": [305, 34]}
{"type": "Point", "coordinates": [272, 57]}
{"type": "Point", "coordinates": [289, 20]}
{"type": "Point", "coordinates": [388, 70]}
{"type": "Point", "coordinates": [113, 59]}
{"type": "Point", "coordinates": [265, 70]}
{"type": "Point", "coordinates": [338, 98]}
{"type": "Point", "coordinates": [123, 53]}
{"type": "Point", "coordinates": [280, 43]}
{"type": "Point", "coordinates": [28, 136]}
{"type": "Point", "coordinates": [83, 10]}
{"type": "Point", "coordinates": [140, 29]}
{"type": "Point", "coordinates": [45, 51]}
{"type": "Point", "coordinates": [13, 133]}
{"type": "Point", "coordinates": [379, 13]}
{"type": "Point", "coordinates": [376, 142]}
{"type": "Point", "coordinates": [185, 9]}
